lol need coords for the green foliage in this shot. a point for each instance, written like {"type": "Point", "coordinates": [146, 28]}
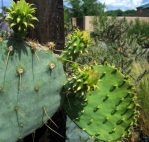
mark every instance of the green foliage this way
{"type": "Point", "coordinates": [115, 12]}
{"type": "Point", "coordinates": [110, 30]}
{"type": "Point", "coordinates": [82, 81]}
{"type": "Point", "coordinates": [114, 43]}
{"type": "Point", "coordinates": [81, 8]}
{"type": "Point", "coordinates": [130, 13]}
{"type": "Point", "coordinates": [125, 52]}
{"type": "Point", "coordinates": [140, 73]}
{"type": "Point", "coordinates": [67, 18]}
{"type": "Point", "coordinates": [109, 110]}
{"type": "Point", "coordinates": [121, 13]}
{"type": "Point", "coordinates": [91, 7]}
{"type": "Point", "coordinates": [139, 28]}
{"type": "Point", "coordinates": [31, 80]}
{"type": "Point", "coordinates": [77, 43]}
{"type": "Point", "coordinates": [20, 17]}
{"type": "Point", "coordinates": [75, 11]}
{"type": "Point", "coordinates": [87, 88]}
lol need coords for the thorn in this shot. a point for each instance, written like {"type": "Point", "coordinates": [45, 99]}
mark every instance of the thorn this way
{"type": "Point", "coordinates": [21, 125]}
{"type": "Point", "coordinates": [102, 75]}
{"type": "Point", "coordinates": [53, 130]}
{"type": "Point", "coordinates": [106, 98]}
{"type": "Point", "coordinates": [113, 88]}
{"type": "Point", "coordinates": [129, 87]}
{"type": "Point", "coordinates": [1, 89]}
{"type": "Point", "coordinates": [82, 111]}
{"type": "Point", "coordinates": [77, 119]}
{"type": "Point", "coordinates": [36, 88]}
{"type": "Point", "coordinates": [113, 111]}
{"type": "Point", "coordinates": [51, 66]}
{"type": "Point", "coordinates": [128, 94]}
{"type": "Point", "coordinates": [10, 50]}
{"type": "Point", "coordinates": [45, 112]}
{"type": "Point", "coordinates": [126, 110]}
{"type": "Point", "coordinates": [79, 88]}
{"type": "Point", "coordinates": [122, 83]}
{"type": "Point", "coordinates": [82, 94]}
{"type": "Point", "coordinates": [105, 63]}
{"type": "Point", "coordinates": [84, 129]}
{"type": "Point", "coordinates": [20, 70]}
{"type": "Point", "coordinates": [97, 135]}
{"type": "Point", "coordinates": [126, 77]}
{"type": "Point", "coordinates": [96, 108]}
{"type": "Point", "coordinates": [90, 122]}
{"type": "Point", "coordinates": [120, 101]}
{"type": "Point", "coordinates": [113, 131]}
{"type": "Point", "coordinates": [119, 122]}
{"type": "Point", "coordinates": [33, 136]}
{"type": "Point", "coordinates": [131, 106]}
{"type": "Point", "coordinates": [124, 135]}
{"type": "Point", "coordinates": [86, 100]}
{"type": "Point", "coordinates": [16, 108]}
{"type": "Point", "coordinates": [105, 120]}
{"type": "Point", "coordinates": [127, 128]}
{"type": "Point", "coordinates": [20, 138]}
{"type": "Point", "coordinates": [132, 115]}
{"type": "Point", "coordinates": [114, 71]}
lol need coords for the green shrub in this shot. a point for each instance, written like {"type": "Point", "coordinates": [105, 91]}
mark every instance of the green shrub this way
{"type": "Point", "coordinates": [139, 28]}
{"type": "Point", "coordinates": [140, 73]}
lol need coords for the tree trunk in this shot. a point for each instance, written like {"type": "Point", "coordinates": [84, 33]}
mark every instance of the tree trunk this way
{"type": "Point", "coordinates": [50, 27]}
{"type": "Point", "coordinates": [51, 22]}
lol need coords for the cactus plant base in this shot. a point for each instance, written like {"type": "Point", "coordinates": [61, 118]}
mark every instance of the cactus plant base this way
{"type": "Point", "coordinates": [107, 113]}
{"type": "Point", "coordinates": [30, 86]}
{"type": "Point", "coordinates": [75, 134]}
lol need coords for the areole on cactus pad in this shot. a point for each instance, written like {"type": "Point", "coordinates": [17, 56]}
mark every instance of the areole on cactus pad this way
{"type": "Point", "coordinates": [107, 113]}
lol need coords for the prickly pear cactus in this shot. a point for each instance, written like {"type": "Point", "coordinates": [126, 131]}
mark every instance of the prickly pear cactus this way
{"type": "Point", "coordinates": [31, 79]}
{"type": "Point", "coordinates": [30, 85]}
{"type": "Point", "coordinates": [107, 113]}
{"type": "Point", "coordinates": [77, 43]}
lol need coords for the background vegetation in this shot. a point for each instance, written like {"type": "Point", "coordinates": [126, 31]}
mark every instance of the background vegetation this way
{"type": "Point", "coordinates": [125, 45]}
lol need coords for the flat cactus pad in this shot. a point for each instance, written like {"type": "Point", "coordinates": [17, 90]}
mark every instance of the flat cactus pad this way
{"type": "Point", "coordinates": [30, 86]}
{"type": "Point", "coordinates": [108, 112]}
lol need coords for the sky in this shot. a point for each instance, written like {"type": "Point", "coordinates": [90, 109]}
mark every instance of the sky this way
{"type": "Point", "coordinates": [5, 2]}
{"type": "Point", "coordinates": [123, 4]}
{"type": "Point", "coordinates": [110, 4]}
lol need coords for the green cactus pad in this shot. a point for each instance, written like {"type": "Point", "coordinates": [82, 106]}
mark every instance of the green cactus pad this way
{"type": "Point", "coordinates": [109, 112]}
{"type": "Point", "coordinates": [30, 85]}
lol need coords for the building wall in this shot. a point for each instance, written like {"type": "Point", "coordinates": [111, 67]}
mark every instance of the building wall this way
{"type": "Point", "coordinates": [143, 12]}
{"type": "Point", "coordinates": [87, 21]}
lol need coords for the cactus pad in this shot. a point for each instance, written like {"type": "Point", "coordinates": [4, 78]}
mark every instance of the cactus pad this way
{"type": "Point", "coordinates": [30, 85]}
{"type": "Point", "coordinates": [108, 112]}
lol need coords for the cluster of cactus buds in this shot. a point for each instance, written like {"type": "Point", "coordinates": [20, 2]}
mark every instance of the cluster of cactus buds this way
{"type": "Point", "coordinates": [20, 17]}
{"type": "Point", "coordinates": [77, 43]}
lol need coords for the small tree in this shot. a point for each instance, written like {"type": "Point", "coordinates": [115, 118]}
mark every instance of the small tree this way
{"type": "Point", "coordinates": [79, 8]}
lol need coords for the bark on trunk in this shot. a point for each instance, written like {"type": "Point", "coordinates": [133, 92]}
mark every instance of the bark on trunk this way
{"type": "Point", "coordinates": [51, 22]}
